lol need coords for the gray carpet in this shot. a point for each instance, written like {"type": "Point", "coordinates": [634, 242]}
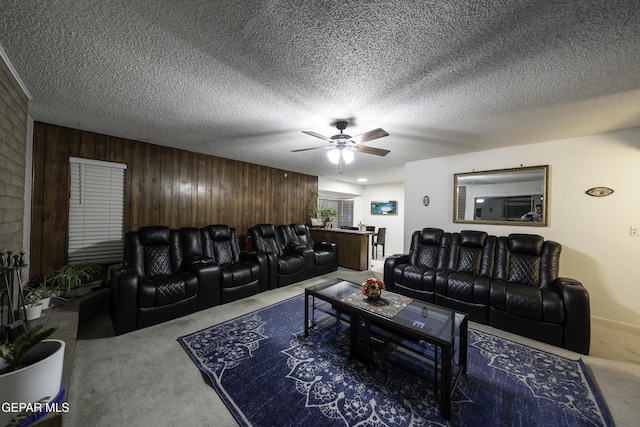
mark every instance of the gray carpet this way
{"type": "Point", "coordinates": [144, 378]}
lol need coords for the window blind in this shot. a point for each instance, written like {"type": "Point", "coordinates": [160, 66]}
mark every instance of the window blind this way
{"type": "Point", "coordinates": [96, 212]}
{"type": "Point", "coordinates": [344, 209]}
{"type": "Point", "coordinates": [345, 213]}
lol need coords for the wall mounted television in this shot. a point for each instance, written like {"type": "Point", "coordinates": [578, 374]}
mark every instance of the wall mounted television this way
{"type": "Point", "coordinates": [389, 207]}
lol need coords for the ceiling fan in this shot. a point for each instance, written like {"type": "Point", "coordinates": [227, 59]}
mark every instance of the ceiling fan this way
{"type": "Point", "coordinates": [343, 146]}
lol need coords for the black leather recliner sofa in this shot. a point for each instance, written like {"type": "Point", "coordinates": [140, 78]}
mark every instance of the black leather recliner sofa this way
{"type": "Point", "coordinates": [325, 255]}
{"type": "Point", "coordinates": [170, 273]}
{"type": "Point", "coordinates": [509, 282]}
{"type": "Point", "coordinates": [164, 278]}
{"type": "Point", "coordinates": [288, 261]}
{"type": "Point", "coordinates": [242, 273]}
{"type": "Point", "coordinates": [292, 255]}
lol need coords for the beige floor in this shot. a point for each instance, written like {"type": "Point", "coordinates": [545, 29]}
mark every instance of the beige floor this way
{"type": "Point", "coordinates": [145, 378]}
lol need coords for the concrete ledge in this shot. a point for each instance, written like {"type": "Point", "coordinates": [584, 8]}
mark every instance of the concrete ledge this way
{"type": "Point", "coordinates": [67, 316]}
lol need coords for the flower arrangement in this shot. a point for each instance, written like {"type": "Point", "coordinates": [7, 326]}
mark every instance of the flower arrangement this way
{"type": "Point", "coordinates": [362, 224]}
{"type": "Point", "coordinates": [372, 288]}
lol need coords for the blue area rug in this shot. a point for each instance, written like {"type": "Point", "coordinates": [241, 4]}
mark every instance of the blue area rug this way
{"type": "Point", "coordinates": [269, 374]}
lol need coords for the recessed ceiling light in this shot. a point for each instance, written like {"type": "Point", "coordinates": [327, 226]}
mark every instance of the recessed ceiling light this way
{"type": "Point", "coordinates": [362, 180]}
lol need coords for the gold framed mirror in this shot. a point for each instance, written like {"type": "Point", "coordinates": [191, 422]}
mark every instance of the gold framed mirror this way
{"type": "Point", "coordinates": [517, 196]}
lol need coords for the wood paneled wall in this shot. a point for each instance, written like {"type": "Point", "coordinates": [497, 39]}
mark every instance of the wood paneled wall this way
{"type": "Point", "coordinates": [164, 186]}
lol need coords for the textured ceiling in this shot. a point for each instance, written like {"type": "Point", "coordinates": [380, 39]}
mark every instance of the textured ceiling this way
{"type": "Point", "coordinates": [241, 79]}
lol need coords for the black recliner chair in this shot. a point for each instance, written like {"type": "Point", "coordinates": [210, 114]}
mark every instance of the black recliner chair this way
{"type": "Point", "coordinates": [158, 284]}
{"type": "Point", "coordinates": [289, 262]}
{"type": "Point", "coordinates": [463, 285]}
{"type": "Point", "coordinates": [528, 298]}
{"type": "Point", "coordinates": [325, 254]}
{"type": "Point", "coordinates": [242, 273]}
{"type": "Point", "coordinates": [414, 274]}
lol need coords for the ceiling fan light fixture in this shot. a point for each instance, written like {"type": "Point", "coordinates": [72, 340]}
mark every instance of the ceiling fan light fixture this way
{"type": "Point", "coordinates": [342, 148]}
{"type": "Point", "coordinates": [347, 156]}
{"type": "Point", "coordinates": [334, 156]}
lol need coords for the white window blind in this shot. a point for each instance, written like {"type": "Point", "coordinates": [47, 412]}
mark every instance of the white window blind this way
{"type": "Point", "coordinates": [96, 211]}
{"type": "Point", "coordinates": [344, 209]}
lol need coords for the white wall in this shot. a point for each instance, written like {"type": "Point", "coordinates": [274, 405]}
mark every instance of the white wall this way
{"type": "Point", "coordinates": [362, 197]}
{"type": "Point", "coordinates": [393, 223]}
{"type": "Point", "coordinates": [598, 249]}
{"type": "Point", "coordinates": [341, 190]}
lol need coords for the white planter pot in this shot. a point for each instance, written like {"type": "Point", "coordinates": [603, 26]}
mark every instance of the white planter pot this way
{"type": "Point", "coordinates": [35, 382]}
{"type": "Point", "coordinates": [33, 311]}
{"type": "Point", "coordinates": [45, 302]}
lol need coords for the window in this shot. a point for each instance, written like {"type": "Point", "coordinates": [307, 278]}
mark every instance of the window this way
{"type": "Point", "coordinates": [344, 209]}
{"type": "Point", "coordinates": [96, 212]}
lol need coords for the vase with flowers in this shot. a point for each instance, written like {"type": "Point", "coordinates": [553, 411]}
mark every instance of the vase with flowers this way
{"type": "Point", "coordinates": [372, 288]}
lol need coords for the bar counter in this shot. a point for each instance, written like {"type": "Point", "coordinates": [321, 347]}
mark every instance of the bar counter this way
{"type": "Point", "coordinates": [353, 245]}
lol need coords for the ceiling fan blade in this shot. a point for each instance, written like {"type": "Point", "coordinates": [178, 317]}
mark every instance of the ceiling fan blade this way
{"type": "Point", "coordinates": [370, 150]}
{"type": "Point", "coordinates": [317, 135]}
{"type": "Point", "coordinates": [307, 149]}
{"type": "Point", "coordinates": [369, 136]}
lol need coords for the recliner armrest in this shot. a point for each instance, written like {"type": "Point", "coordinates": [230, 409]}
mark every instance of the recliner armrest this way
{"type": "Point", "coordinates": [272, 268]}
{"type": "Point", "coordinates": [309, 259]}
{"type": "Point", "coordinates": [295, 249]}
{"type": "Point", "coordinates": [390, 264]}
{"type": "Point", "coordinates": [577, 324]}
{"type": "Point", "coordinates": [188, 263]}
{"type": "Point", "coordinates": [209, 276]}
{"type": "Point", "coordinates": [326, 246]}
{"type": "Point", "coordinates": [123, 300]}
{"type": "Point", "coordinates": [262, 260]}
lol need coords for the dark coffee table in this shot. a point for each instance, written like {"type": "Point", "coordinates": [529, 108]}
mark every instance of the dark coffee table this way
{"type": "Point", "coordinates": [401, 319]}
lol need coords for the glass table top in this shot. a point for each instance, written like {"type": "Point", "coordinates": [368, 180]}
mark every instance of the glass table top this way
{"type": "Point", "coordinates": [425, 318]}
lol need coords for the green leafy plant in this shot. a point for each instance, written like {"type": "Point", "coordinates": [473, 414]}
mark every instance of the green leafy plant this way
{"type": "Point", "coordinates": [14, 353]}
{"type": "Point", "coordinates": [327, 213]}
{"type": "Point", "coordinates": [312, 206]}
{"type": "Point", "coordinates": [45, 289]}
{"type": "Point", "coordinates": [33, 298]}
{"type": "Point", "coordinates": [42, 291]}
{"type": "Point", "coordinates": [72, 276]}
{"type": "Point", "coordinates": [314, 212]}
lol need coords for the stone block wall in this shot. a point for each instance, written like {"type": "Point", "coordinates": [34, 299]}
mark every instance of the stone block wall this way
{"type": "Point", "coordinates": [13, 135]}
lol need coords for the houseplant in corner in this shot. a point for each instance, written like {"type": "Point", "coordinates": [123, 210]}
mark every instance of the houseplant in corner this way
{"type": "Point", "coordinates": [314, 216]}
{"type": "Point", "coordinates": [313, 210]}
{"type": "Point", "coordinates": [328, 214]}
{"type": "Point", "coordinates": [42, 294]}
{"type": "Point", "coordinates": [30, 371]}
{"type": "Point", "coordinates": [33, 308]}
{"type": "Point", "coordinates": [69, 278]}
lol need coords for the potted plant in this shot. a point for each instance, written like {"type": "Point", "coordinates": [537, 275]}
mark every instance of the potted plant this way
{"type": "Point", "coordinates": [33, 308]}
{"type": "Point", "coordinates": [314, 211]}
{"type": "Point", "coordinates": [328, 214]}
{"type": "Point", "coordinates": [30, 369]}
{"type": "Point", "coordinates": [71, 277]}
{"type": "Point", "coordinates": [314, 216]}
{"type": "Point", "coordinates": [42, 294]}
